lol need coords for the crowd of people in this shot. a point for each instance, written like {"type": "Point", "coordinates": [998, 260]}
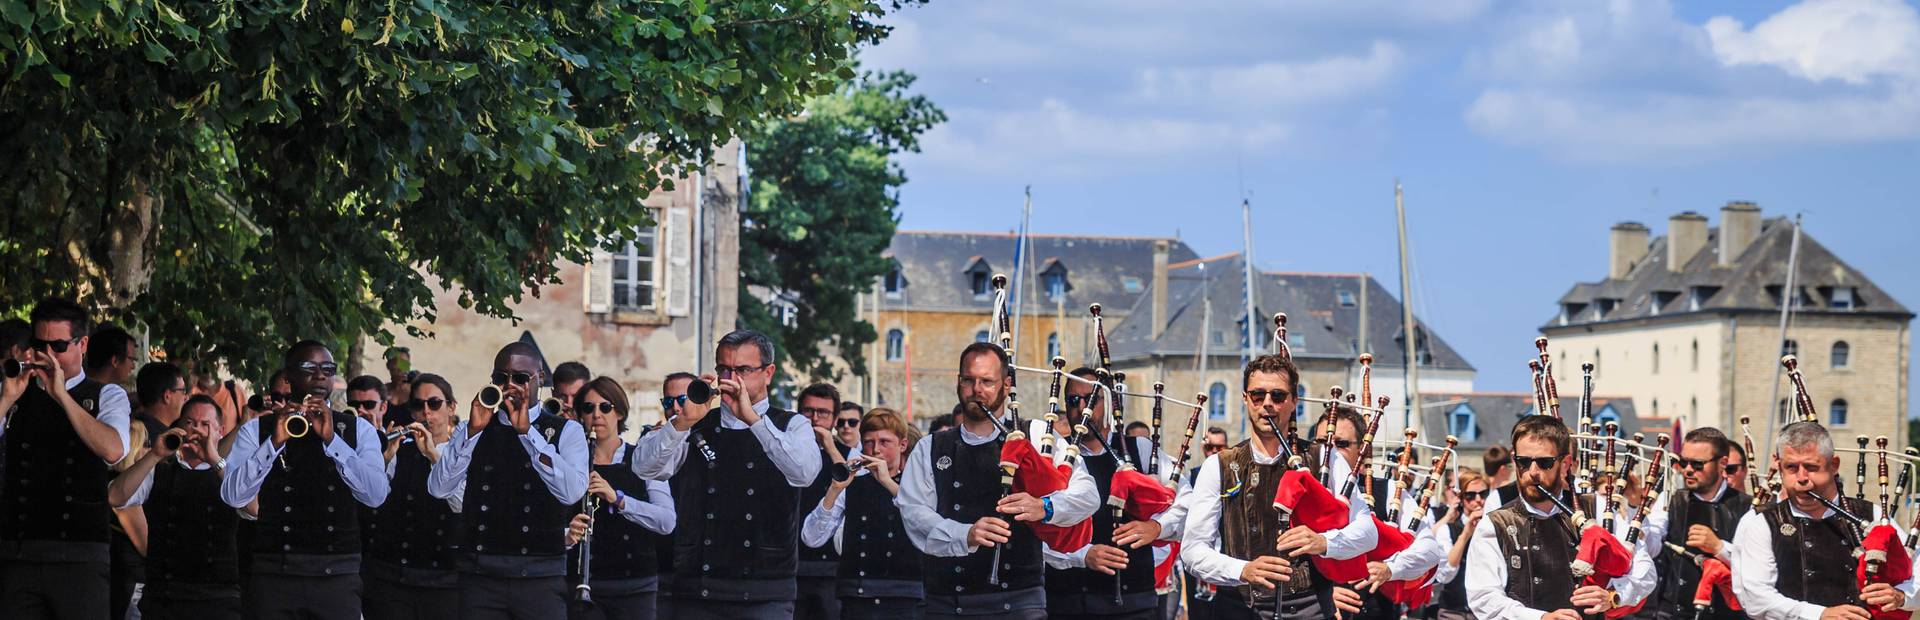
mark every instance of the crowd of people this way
{"type": "Point", "coordinates": [157, 491]}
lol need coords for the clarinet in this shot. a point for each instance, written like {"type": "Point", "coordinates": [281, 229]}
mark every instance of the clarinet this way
{"type": "Point", "coordinates": [1548, 384]}
{"type": "Point", "coordinates": [590, 505]}
{"type": "Point", "coordinates": [1656, 483]}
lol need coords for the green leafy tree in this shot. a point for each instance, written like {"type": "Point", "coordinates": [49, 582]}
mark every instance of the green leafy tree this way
{"type": "Point", "coordinates": [235, 175]}
{"type": "Point", "coordinates": [822, 212]}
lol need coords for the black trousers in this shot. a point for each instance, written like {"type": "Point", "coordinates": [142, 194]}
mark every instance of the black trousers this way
{"type": "Point", "coordinates": [634, 606]}
{"type": "Point", "coordinates": [1143, 614]}
{"type": "Point", "coordinates": [165, 608]}
{"type": "Point", "coordinates": [890, 608]}
{"type": "Point", "coordinates": [663, 600]}
{"type": "Point", "coordinates": [485, 597]}
{"type": "Point", "coordinates": [816, 600]}
{"type": "Point", "coordinates": [1018, 614]}
{"type": "Point", "coordinates": [126, 572]}
{"type": "Point", "coordinates": [54, 590]}
{"type": "Point", "coordinates": [1199, 598]}
{"type": "Point", "coordinates": [388, 600]}
{"type": "Point", "coordinates": [1314, 604]}
{"type": "Point", "coordinates": [294, 597]}
{"type": "Point", "coordinates": [695, 609]}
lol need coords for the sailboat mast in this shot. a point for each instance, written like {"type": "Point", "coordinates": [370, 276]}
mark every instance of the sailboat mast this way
{"type": "Point", "coordinates": [1407, 326]}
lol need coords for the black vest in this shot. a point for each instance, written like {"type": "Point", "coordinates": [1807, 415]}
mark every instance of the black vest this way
{"type": "Point", "coordinates": [414, 534]}
{"type": "Point", "coordinates": [1815, 557]}
{"type": "Point", "coordinates": [622, 549]}
{"type": "Point", "coordinates": [879, 559]}
{"type": "Point", "coordinates": [821, 561]}
{"type": "Point", "coordinates": [1679, 575]}
{"type": "Point", "coordinates": [56, 487]}
{"type": "Point", "coordinates": [305, 507]}
{"type": "Point", "coordinates": [738, 533]}
{"type": "Point", "coordinates": [1084, 590]}
{"type": "Point", "coordinates": [508, 510]}
{"type": "Point", "coordinates": [966, 483]}
{"type": "Point", "coordinates": [191, 550]}
{"type": "Point", "coordinates": [1537, 552]}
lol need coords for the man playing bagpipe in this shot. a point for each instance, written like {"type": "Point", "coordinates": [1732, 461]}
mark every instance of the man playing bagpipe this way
{"type": "Point", "coordinates": [1233, 536]}
{"type": "Point", "coordinates": [1801, 558]}
{"type": "Point", "coordinates": [1518, 561]}
{"type": "Point", "coordinates": [1702, 518]}
{"type": "Point", "coordinates": [1081, 584]}
{"type": "Point", "coordinates": [960, 511]}
{"type": "Point", "coordinates": [1406, 555]}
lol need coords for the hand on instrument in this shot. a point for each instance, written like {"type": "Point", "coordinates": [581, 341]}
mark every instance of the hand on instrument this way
{"type": "Point", "coordinates": [577, 529]}
{"type": "Point", "coordinates": [198, 446]}
{"type": "Point", "coordinates": [282, 413]}
{"type": "Point", "coordinates": [423, 440]}
{"type": "Point", "coordinates": [1135, 534]}
{"type": "Point", "coordinates": [1883, 596]}
{"type": "Point", "coordinates": [1845, 612]}
{"type": "Point", "coordinates": [1267, 571]}
{"type": "Point", "coordinates": [50, 374]}
{"type": "Point", "coordinates": [518, 403]}
{"type": "Point", "coordinates": [1301, 541]}
{"type": "Point", "coordinates": [1022, 507]}
{"type": "Point", "coordinates": [598, 486]}
{"type": "Point", "coordinates": [392, 448]}
{"type": "Point", "coordinates": [12, 387]}
{"type": "Point", "coordinates": [1702, 537]}
{"type": "Point", "coordinates": [988, 531]}
{"type": "Point", "coordinates": [478, 417]}
{"type": "Point", "coordinates": [1377, 575]}
{"type": "Point", "coordinates": [1593, 599]}
{"type": "Point", "coordinates": [876, 465]}
{"type": "Point", "coordinates": [1105, 559]}
{"type": "Point", "coordinates": [1346, 600]}
{"type": "Point", "coordinates": [159, 446]}
{"type": "Point", "coordinates": [692, 413]}
{"type": "Point", "coordinates": [321, 416]}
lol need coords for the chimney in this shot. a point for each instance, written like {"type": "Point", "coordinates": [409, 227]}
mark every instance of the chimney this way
{"type": "Point", "coordinates": [1159, 316]}
{"type": "Point", "coordinates": [1627, 244]}
{"type": "Point", "coordinates": [1739, 226]}
{"type": "Point", "coordinates": [1686, 236]}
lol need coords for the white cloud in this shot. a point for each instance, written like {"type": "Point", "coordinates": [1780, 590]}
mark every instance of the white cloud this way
{"type": "Point", "coordinates": [1852, 41]}
{"type": "Point", "coordinates": [1054, 136]}
{"type": "Point", "coordinates": [1319, 80]}
{"type": "Point", "coordinates": [1684, 127]}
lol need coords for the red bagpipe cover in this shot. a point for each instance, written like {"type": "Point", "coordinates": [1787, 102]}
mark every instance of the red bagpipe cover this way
{"type": "Point", "coordinates": [1145, 497]}
{"type": "Point", "coordinates": [1414, 592]}
{"type": "Point", "coordinates": [1315, 508]}
{"type": "Point", "coordinates": [1883, 545]}
{"type": "Point", "coordinates": [1714, 574]}
{"type": "Point", "coordinates": [1038, 476]}
{"type": "Point", "coordinates": [1600, 559]}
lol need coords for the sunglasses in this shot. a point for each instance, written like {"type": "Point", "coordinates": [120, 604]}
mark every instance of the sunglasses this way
{"type": "Point", "coordinates": [1212, 448]}
{"type": "Point", "coordinates": [847, 422]}
{"type": "Point", "coordinates": [1693, 464]}
{"type": "Point", "coordinates": [1278, 396]}
{"type": "Point", "coordinates": [1734, 468]}
{"type": "Point", "coordinates": [363, 404]}
{"type": "Point", "coordinates": [1542, 462]}
{"type": "Point", "coordinates": [602, 406]}
{"type": "Point", "coordinates": [1338, 443]}
{"type": "Point", "coordinates": [1075, 401]}
{"type": "Point", "coordinates": [673, 401]}
{"type": "Point", "coordinates": [427, 404]}
{"type": "Point", "coordinates": [518, 378]}
{"type": "Point", "coordinates": [57, 346]}
{"type": "Point", "coordinates": [1473, 495]}
{"type": "Point", "coordinates": [318, 370]}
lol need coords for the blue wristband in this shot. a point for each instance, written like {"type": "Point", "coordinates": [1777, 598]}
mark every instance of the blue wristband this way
{"type": "Point", "coordinates": [1047, 502]}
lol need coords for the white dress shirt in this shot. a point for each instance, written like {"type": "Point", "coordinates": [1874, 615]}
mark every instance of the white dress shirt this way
{"type": "Point", "coordinates": [360, 466]}
{"type": "Point", "coordinates": [563, 469]}
{"type": "Point", "coordinates": [1172, 521]}
{"type": "Point", "coordinates": [939, 536]}
{"type": "Point", "coordinates": [1757, 572]}
{"type": "Point", "coordinates": [1199, 547]}
{"type": "Point", "coordinates": [794, 451]}
{"type": "Point", "coordinates": [1486, 573]}
{"type": "Point", "coordinates": [115, 412]}
{"type": "Point", "coordinates": [655, 511]}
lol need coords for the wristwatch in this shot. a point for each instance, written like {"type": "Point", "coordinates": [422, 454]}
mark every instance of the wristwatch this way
{"type": "Point", "coordinates": [220, 464]}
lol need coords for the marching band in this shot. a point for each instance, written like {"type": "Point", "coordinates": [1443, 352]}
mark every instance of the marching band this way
{"type": "Point", "coordinates": [528, 507]}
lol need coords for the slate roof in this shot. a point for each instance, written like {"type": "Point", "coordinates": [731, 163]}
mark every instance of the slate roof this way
{"type": "Point", "coordinates": [1495, 413]}
{"type": "Point", "coordinates": [1098, 268]}
{"type": "Point", "coordinates": [1318, 324]}
{"type": "Point", "coordinates": [1751, 284]}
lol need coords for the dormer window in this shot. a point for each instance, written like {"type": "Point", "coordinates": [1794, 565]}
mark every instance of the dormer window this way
{"type": "Point", "coordinates": [893, 282]}
{"type": "Point", "coordinates": [980, 278]}
{"type": "Point", "coordinates": [1570, 312]}
{"type": "Point", "coordinates": [1842, 298]}
{"type": "Point", "coordinates": [1663, 300]}
{"type": "Point", "coordinates": [1054, 277]}
{"type": "Point", "coordinates": [1698, 298]}
{"type": "Point", "coordinates": [1346, 299]}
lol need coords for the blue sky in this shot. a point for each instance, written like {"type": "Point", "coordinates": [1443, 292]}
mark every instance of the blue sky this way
{"type": "Point", "coordinates": [1522, 130]}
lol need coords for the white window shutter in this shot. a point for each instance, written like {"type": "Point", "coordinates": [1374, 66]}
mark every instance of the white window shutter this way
{"type": "Point", "coordinates": [599, 282]}
{"type": "Point", "coordinates": [677, 270]}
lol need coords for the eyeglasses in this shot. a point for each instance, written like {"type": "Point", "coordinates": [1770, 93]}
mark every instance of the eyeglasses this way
{"type": "Point", "coordinates": [1542, 462]}
{"type": "Point", "coordinates": [673, 401]}
{"type": "Point", "coordinates": [1693, 464]}
{"type": "Point", "coordinates": [318, 370]}
{"type": "Point", "coordinates": [432, 404]}
{"type": "Point", "coordinates": [847, 422]}
{"type": "Point", "coordinates": [603, 406]}
{"type": "Point", "coordinates": [1075, 401]}
{"type": "Point", "coordinates": [1473, 495]}
{"type": "Point", "coordinates": [815, 411]}
{"type": "Point", "coordinates": [519, 378]}
{"type": "Point", "coordinates": [1734, 468]}
{"type": "Point", "coordinates": [1278, 396]}
{"type": "Point", "coordinates": [363, 404]}
{"type": "Point", "coordinates": [1338, 443]}
{"type": "Point", "coordinates": [726, 372]}
{"type": "Point", "coordinates": [1211, 448]}
{"type": "Point", "coordinates": [57, 346]}
{"type": "Point", "coordinates": [278, 397]}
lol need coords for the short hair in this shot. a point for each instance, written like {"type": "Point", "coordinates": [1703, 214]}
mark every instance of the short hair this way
{"type": "Point", "coordinates": [59, 310]}
{"type": "Point", "coordinates": [942, 421]}
{"type": "Point", "coordinates": [1803, 434]}
{"type": "Point", "coordinates": [369, 383]}
{"type": "Point", "coordinates": [293, 352]}
{"type": "Point", "coordinates": [194, 401]}
{"type": "Point", "coordinates": [108, 343]}
{"type": "Point", "coordinates": [1544, 427]}
{"type": "Point", "coordinates": [154, 379]}
{"type": "Point", "coordinates": [14, 333]}
{"type": "Point", "coordinates": [679, 375]}
{"type": "Point", "coordinates": [1711, 436]}
{"type": "Point", "coordinates": [1215, 430]}
{"type": "Point", "coordinates": [885, 419]}
{"type": "Point", "coordinates": [609, 389]}
{"type": "Point", "coordinates": [1496, 458]}
{"type": "Point", "coordinates": [747, 336]}
{"type": "Point", "coordinates": [823, 390]}
{"type": "Point", "coordinates": [438, 381]}
{"type": "Point", "coordinates": [1469, 475]}
{"type": "Point", "coordinates": [519, 347]}
{"type": "Point", "coordinates": [1139, 425]}
{"type": "Point", "coordinates": [847, 404]}
{"type": "Point", "coordinates": [1349, 415]}
{"type": "Point", "coordinates": [568, 372]}
{"type": "Point", "coordinates": [999, 354]}
{"type": "Point", "coordinates": [1083, 372]}
{"type": "Point", "coordinates": [277, 376]}
{"type": "Point", "coordinates": [1271, 364]}
{"type": "Point", "coordinates": [1735, 447]}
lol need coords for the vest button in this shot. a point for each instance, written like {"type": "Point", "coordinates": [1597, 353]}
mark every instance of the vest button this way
{"type": "Point", "coordinates": [749, 516]}
{"type": "Point", "coordinates": [749, 490]}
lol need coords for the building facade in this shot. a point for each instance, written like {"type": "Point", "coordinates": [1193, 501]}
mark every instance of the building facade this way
{"type": "Point", "coordinates": [1688, 325]}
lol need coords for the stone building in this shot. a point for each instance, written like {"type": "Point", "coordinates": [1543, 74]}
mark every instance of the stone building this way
{"type": "Point", "coordinates": [1688, 325]}
{"type": "Point", "coordinates": [653, 307]}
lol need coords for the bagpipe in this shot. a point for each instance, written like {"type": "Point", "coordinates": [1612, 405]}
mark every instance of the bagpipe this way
{"type": "Point", "coordinates": [1883, 557]}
